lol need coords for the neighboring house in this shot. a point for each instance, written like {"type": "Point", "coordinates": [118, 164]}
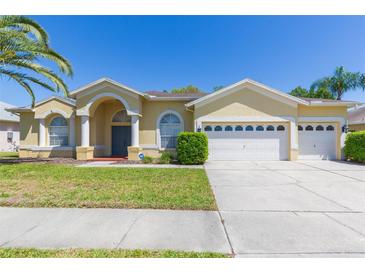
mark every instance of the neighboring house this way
{"type": "Point", "coordinates": [9, 128]}
{"type": "Point", "coordinates": [244, 121]}
{"type": "Point", "coordinates": [356, 118]}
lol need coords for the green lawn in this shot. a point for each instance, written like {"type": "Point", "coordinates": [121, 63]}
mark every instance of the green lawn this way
{"type": "Point", "coordinates": [56, 185]}
{"type": "Point", "coordinates": [8, 155]}
{"type": "Point", "coordinates": [102, 253]}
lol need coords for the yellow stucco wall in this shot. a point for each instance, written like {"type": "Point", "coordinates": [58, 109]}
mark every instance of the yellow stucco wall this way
{"type": "Point", "coordinates": [244, 103]}
{"type": "Point", "coordinates": [322, 111]}
{"type": "Point", "coordinates": [29, 128]}
{"type": "Point", "coordinates": [358, 127]}
{"type": "Point", "coordinates": [151, 110]}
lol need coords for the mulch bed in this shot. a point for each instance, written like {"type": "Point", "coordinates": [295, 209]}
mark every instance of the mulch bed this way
{"type": "Point", "coordinates": [67, 161]}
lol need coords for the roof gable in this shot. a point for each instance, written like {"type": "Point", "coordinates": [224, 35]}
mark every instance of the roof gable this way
{"type": "Point", "coordinates": [103, 82]}
{"type": "Point", "coordinates": [252, 85]}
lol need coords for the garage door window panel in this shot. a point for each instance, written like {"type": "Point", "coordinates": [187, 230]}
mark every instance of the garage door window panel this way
{"type": "Point", "coordinates": [270, 128]}
{"type": "Point", "coordinates": [228, 128]}
{"type": "Point", "coordinates": [239, 128]}
{"type": "Point", "coordinates": [218, 128]}
{"type": "Point", "coordinates": [208, 128]}
{"type": "Point", "coordinates": [319, 128]}
{"type": "Point", "coordinates": [249, 128]}
{"type": "Point", "coordinates": [330, 128]}
{"type": "Point", "coordinates": [259, 128]}
{"type": "Point", "coordinates": [280, 128]}
{"type": "Point", "coordinates": [309, 128]}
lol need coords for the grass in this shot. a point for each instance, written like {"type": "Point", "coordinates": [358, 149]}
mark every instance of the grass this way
{"type": "Point", "coordinates": [102, 253]}
{"type": "Point", "coordinates": [8, 155]}
{"type": "Point", "coordinates": [56, 185]}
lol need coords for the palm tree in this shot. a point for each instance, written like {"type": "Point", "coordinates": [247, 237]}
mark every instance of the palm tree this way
{"type": "Point", "coordinates": [23, 43]}
{"type": "Point", "coordinates": [340, 82]}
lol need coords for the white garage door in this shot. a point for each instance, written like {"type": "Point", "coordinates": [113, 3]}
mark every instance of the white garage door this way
{"type": "Point", "coordinates": [247, 142]}
{"type": "Point", "coordinates": [317, 141]}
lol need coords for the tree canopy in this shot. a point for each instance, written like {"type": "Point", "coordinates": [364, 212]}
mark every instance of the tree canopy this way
{"type": "Point", "coordinates": [340, 82]}
{"type": "Point", "coordinates": [187, 89]}
{"type": "Point", "coordinates": [23, 44]}
{"type": "Point", "coordinates": [322, 93]}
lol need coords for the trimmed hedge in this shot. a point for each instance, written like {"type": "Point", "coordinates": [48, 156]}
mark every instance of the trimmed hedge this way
{"type": "Point", "coordinates": [192, 148]}
{"type": "Point", "coordinates": [355, 146]}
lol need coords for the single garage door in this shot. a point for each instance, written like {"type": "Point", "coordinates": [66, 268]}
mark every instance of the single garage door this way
{"type": "Point", "coordinates": [247, 142]}
{"type": "Point", "coordinates": [317, 141]}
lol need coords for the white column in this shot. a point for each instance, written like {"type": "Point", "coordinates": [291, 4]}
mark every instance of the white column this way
{"type": "Point", "coordinates": [135, 131]}
{"type": "Point", "coordinates": [85, 131]}
{"type": "Point", "coordinates": [42, 133]}
{"type": "Point", "coordinates": [72, 131]}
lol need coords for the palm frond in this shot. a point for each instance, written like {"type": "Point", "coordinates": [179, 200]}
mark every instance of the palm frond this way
{"type": "Point", "coordinates": [24, 24]}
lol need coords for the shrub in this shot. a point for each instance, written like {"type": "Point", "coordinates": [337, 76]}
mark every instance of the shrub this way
{"type": "Point", "coordinates": [355, 146]}
{"type": "Point", "coordinates": [192, 148]}
{"type": "Point", "coordinates": [147, 160]}
{"type": "Point", "coordinates": [166, 158]}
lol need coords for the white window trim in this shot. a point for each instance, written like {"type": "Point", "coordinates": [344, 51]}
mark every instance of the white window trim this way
{"type": "Point", "coordinates": [158, 131]}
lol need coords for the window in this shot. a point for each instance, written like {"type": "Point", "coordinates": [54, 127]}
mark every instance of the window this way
{"type": "Point", "coordinates": [239, 128]}
{"type": "Point", "coordinates": [300, 128]}
{"type": "Point", "coordinates": [249, 128]}
{"type": "Point", "coordinates": [121, 116]}
{"type": "Point", "coordinates": [270, 128]}
{"type": "Point", "coordinates": [10, 136]}
{"type": "Point", "coordinates": [280, 128]}
{"type": "Point", "coordinates": [218, 128]}
{"type": "Point", "coordinates": [260, 128]}
{"type": "Point", "coordinates": [319, 128]}
{"type": "Point", "coordinates": [228, 128]}
{"type": "Point", "coordinates": [208, 128]}
{"type": "Point", "coordinates": [170, 126]}
{"type": "Point", "coordinates": [330, 128]}
{"type": "Point", "coordinates": [309, 128]}
{"type": "Point", "coordinates": [58, 132]}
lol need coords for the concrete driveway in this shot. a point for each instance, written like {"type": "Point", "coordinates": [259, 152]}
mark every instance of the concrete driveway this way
{"type": "Point", "coordinates": [304, 208]}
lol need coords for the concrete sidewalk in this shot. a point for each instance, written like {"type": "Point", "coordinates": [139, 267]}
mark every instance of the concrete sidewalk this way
{"type": "Point", "coordinates": [112, 228]}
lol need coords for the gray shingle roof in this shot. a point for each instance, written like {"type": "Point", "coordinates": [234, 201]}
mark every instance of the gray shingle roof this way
{"type": "Point", "coordinates": [6, 115]}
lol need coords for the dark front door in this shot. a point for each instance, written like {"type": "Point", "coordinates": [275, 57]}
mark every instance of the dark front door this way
{"type": "Point", "coordinates": [121, 139]}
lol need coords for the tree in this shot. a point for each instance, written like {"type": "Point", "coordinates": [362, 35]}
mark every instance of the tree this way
{"type": "Point", "coordinates": [299, 92]}
{"type": "Point", "coordinates": [341, 82]}
{"type": "Point", "coordinates": [187, 89]}
{"type": "Point", "coordinates": [23, 43]}
{"type": "Point", "coordinates": [322, 93]}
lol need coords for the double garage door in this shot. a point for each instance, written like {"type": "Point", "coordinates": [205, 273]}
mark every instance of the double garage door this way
{"type": "Point", "coordinates": [269, 141]}
{"type": "Point", "coordinates": [248, 142]}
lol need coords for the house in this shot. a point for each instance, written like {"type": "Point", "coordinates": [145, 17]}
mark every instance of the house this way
{"type": "Point", "coordinates": [356, 118]}
{"type": "Point", "coordinates": [244, 121]}
{"type": "Point", "coordinates": [9, 128]}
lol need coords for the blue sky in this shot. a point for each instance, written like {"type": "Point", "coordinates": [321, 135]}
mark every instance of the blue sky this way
{"type": "Point", "coordinates": [164, 52]}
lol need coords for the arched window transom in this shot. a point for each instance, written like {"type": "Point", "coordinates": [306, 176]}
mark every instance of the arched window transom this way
{"type": "Point", "coordinates": [218, 128]}
{"type": "Point", "coordinates": [207, 128]}
{"type": "Point", "coordinates": [239, 128]}
{"type": "Point", "coordinates": [170, 126]}
{"type": "Point", "coordinates": [121, 116]}
{"type": "Point", "coordinates": [228, 128]}
{"type": "Point", "coordinates": [58, 132]}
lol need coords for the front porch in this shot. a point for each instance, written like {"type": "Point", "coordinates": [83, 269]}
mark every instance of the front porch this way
{"type": "Point", "coordinates": [108, 131]}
